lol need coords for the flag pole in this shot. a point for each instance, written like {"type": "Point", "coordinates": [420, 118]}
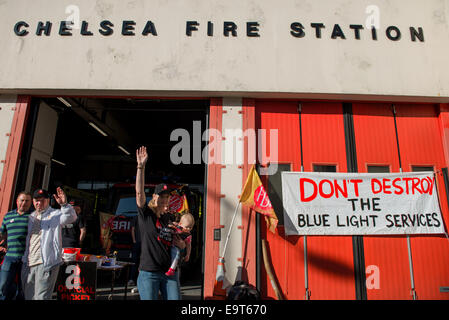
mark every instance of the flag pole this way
{"type": "Point", "coordinates": [229, 231]}
{"type": "Point", "coordinates": [219, 290]}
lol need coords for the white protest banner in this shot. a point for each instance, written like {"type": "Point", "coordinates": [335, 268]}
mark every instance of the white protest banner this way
{"type": "Point", "coordinates": [360, 203]}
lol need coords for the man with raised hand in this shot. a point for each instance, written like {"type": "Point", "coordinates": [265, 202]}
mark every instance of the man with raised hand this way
{"type": "Point", "coordinates": [43, 253]}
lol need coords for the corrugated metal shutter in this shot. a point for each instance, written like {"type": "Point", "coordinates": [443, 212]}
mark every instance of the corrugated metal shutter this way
{"type": "Point", "coordinates": [376, 145]}
{"type": "Point", "coordinates": [331, 273]}
{"type": "Point", "coordinates": [421, 145]}
{"type": "Point", "coordinates": [286, 253]}
{"type": "Point", "coordinates": [330, 259]}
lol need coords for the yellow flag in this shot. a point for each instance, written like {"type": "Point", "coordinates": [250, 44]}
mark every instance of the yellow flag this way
{"type": "Point", "coordinates": [255, 196]}
{"type": "Point", "coordinates": [185, 204]}
{"type": "Point", "coordinates": [105, 229]}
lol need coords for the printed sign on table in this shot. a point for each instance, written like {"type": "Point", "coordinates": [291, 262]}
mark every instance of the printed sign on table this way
{"type": "Point", "coordinates": [77, 281]}
{"type": "Point", "coordinates": [360, 203]}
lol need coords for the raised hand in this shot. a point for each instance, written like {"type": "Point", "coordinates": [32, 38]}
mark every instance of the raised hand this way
{"type": "Point", "coordinates": [60, 196]}
{"type": "Point", "coordinates": [142, 156]}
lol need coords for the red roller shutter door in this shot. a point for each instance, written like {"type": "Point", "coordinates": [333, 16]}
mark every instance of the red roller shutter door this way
{"type": "Point", "coordinates": [421, 145]}
{"type": "Point", "coordinates": [287, 255]}
{"type": "Point", "coordinates": [376, 145]}
{"type": "Point", "coordinates": [330, 259]}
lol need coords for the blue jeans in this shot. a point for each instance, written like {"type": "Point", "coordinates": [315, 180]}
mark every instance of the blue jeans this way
{"type": "Point", "coordinates": [11, 268]}
{"type": "Point", "coordinates": [149, 284]}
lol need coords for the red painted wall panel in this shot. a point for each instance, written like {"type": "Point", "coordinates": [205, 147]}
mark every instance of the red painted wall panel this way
{"type": "Point", "coordinates": [212, 201]}
{"type": "Point", "coordinates": [248, 216]}
{"type": "Point", "coordinates": [375, 136]}
{"type": "Point", "coordinates": [331, 273]}
{"type": "Point", "coordinates": [444, 129]}
{"type": "Point", "coordinates": [287, 255]}
{"type": "Point", "coordinates": [331, 270]}
{"type": "Point", "coordinates": [421, 144]}
{"type": "Point", "coordinates": [323, 135]}
{"type": "Point", "coordinates": [282, 116]}
{"type": "Point", "coordinates": [13, 152]}
{"type": "Point", "coordinates": [376, 145]}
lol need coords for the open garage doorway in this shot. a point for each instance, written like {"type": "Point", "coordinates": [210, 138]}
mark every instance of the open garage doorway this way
{"type": "Point", "coordinates": [88, 146]}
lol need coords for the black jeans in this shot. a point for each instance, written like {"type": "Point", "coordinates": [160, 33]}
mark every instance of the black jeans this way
{"type": "Point", "coordinates": [135, 257]}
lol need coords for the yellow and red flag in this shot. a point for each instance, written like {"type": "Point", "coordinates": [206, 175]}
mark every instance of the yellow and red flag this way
{"type": "Point", "coordinates": [105, 229]}
{"type": "Point", "coordinates": [255, 196]}
{"type": "Point", "coordinates": [185, 204]}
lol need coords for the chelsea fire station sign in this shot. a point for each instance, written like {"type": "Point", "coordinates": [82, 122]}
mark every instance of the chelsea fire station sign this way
{"type": "Point", "coordinates": [297, 29]}
{"type": "Point", "coordinates": [385, 50]}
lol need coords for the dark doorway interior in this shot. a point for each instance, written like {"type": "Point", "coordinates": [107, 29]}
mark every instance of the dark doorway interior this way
{"type": "Point", "coordinates": [94, 152]}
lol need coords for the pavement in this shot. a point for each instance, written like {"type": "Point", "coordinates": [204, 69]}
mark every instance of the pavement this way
{"type": "Point", "coordinates": [190, 286]}
{"type": "Point", "coordinates": [188, 292]}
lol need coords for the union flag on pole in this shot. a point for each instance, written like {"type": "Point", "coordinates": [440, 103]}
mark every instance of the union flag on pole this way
{"type": "Point", "coordinates": [255, 196]}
